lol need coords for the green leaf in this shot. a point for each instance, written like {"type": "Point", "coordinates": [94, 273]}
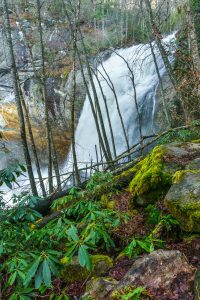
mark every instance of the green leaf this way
{"type": "Point", "coordinates": [32, 271]}
{"type": "Point", "coordinates": [134, 295]}
{"type": "Point", "coordinates": [38, 278]}
{"type": "Point", "coordinates": [46, 273]}
{"type": "Point", "coordinates": [84, 258]}
{"type": "Point", "coordinates": [21, 275]}
{"type": "Point", "coordinates": [73, 233]}
{"type": "Point", "coordinates": [12, 278]}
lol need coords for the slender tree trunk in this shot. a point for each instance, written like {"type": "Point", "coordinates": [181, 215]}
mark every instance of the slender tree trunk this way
{"type": "Point", "coordinates": [55, 163]}
{"type": "Point", "coordinates": [135, 93]}
{"type": "Point", "coordinates": [96, 98]}
{"type": "Point", "coordinates": [47, 121]}
{"type": "Point", "coordinates": [104, 147]}
{"type": "Point", "coordinates": [161, 84]}
{"type": "Point", "coordinates": [160, 45]}
{"type": "Point", "coordinates": [111, 85]}
{"type": "Point", "coordinates": [107, 113]}
{"type": "Point", "coordinates": [73, 124]}
{"type": "Point", "coordinates": [18, 100]}
{"type": "Point", "coordinates": [92, 108]}
{"type": "Point", "coordinates": [33, 146]}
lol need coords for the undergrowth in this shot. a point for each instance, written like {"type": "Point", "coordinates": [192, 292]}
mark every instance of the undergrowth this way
{"type": "Point", "coordinates": [33, 258]}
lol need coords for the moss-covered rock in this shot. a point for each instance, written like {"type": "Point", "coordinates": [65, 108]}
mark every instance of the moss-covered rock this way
{"type": "Point", "coordinates": [183, 201]}
{"type": "Point", "coordinates": [101, 264]}
{"type": "Point", "coordinates": [150, 180]}
{"type": "Point", "coordinates": [73, 272]}
{"type": "Point", "coordinates": [99, 288]}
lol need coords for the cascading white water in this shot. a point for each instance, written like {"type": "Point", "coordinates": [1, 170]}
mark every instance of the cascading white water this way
{"type": "Point", "coordinates": [141, 61]}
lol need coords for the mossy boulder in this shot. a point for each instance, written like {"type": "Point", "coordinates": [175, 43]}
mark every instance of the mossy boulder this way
{"type": "Point", "coordinates": [73, 272]}
{"type": "Point", "coordinates": [151, 179]}
{"type": "Point", "coordinates": [183, 200]}
{"type": "Point", "coordinates": [152, 176]}
{"type": "Point", "coordinates": [99, 288]}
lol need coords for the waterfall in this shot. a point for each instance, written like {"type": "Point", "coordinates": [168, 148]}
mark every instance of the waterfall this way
{"type": "Point", "coordinates": [140, 60]}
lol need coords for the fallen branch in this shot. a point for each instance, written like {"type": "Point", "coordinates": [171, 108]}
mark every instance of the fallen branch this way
{"type": "Point", "coordinates": [44, 205]}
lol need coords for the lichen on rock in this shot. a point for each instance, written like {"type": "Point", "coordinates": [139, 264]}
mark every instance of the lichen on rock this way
{"type": "Point", "coordinates": [183, 201]}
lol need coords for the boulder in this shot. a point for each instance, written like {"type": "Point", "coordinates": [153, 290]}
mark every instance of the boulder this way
{"type": "Point", "coordinates": [73, 272]}
{"type": "Point", "coordinates": [152, 176]}
{"type": "Point", "coordinates": [183, 199]}
{"type": "Point", "coordinates": [194, 164]}
{"type": "Point", "coordinates": [99, 288]}
{"type": "Point", "coordinates": [156, 272]}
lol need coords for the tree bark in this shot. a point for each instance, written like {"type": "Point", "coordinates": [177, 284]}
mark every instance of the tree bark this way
{"type": "Point", "coordinates": [47, 121]}
{"type": "Point", "coordinates": [16, 88]}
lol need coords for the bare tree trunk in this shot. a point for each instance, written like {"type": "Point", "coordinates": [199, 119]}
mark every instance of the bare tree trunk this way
{"type": "Point", "coordinates": [33, 146]}
{"type": "Point", "coordinates": [111, 85]}
{"type": "Point", "coordinates": [161, 84]}
{"type": "Point", "coordinates": [47, 121]}
{"type": "Point", "coordinates": [73, 100]}
{"type": "Point", "coordinates": [93, 109]}
{"type": "Point", "coordinates": [55, 163]}
{"type": "Point", "coordinates": [105, 148]}
{"type": "Point", "coordinates": [18, 100]}
{"type": "Point", "coordinates": [159, 44]}
{"type": "Point", "coordinates": [107, 113]}
{"type": "Point", "coordinates": [96, 99]}
{"type": "Point", "coordinates": [135, 93]}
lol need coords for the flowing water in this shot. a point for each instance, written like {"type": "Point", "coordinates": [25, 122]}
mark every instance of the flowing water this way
{"type": "Point", "coordinates": [142, 65]}
{"type": "Point", "coordinates": [140, 60]}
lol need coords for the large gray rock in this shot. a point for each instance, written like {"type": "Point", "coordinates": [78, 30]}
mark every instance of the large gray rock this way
{"type": "Point", "coordinates": [183, 199]}
{"type": "Point", "coordinates": [156, 271]}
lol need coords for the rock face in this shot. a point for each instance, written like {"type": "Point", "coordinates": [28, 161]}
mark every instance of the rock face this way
{"type": "Point", "coordinates": [183, 200]}
{"type": "Point", "coordinates": [99, 288]}
{"type": "Point", "coordinates": [156, 271]}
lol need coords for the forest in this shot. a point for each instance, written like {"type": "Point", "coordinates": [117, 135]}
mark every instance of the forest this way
{"type": "Point", "coordinates": [100, 149]}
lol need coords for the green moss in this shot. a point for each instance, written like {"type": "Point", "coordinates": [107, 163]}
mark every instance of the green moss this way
{"type": "Point", "coordinates": [179, 175]}
{"type": "Point", "coordinates": [189, 239]}
{"type": "Point", "coordinates": [115, 295]}
{"type": "Point", "coordinates": [150, 176]}
{"type": "Point", "coordinates": [188, 214]}
{"type": "Point", "coordinates": [129, 292]}
{"type": "Point", "coordinates": [107, 201]}
{"type": "Point", "coordinates": [196, 141]}
{"type": "Point", "coordinates": [73, 272]}
{"type": "Point", "coordinates": [101, 264]}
